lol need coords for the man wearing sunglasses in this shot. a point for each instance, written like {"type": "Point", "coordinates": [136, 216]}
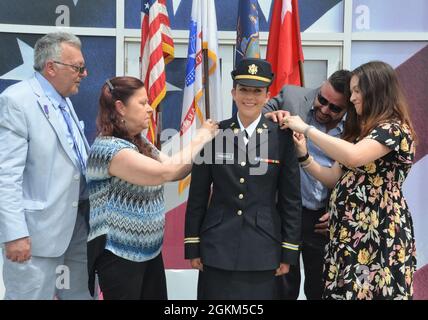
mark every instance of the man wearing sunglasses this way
{"type": "Point", "coordinates": [43, 196]}
{"type": "Point", "coordinates": [325, 109]}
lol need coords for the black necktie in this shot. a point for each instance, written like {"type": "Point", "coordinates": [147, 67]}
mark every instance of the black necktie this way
{"type": "Point", "coordinates": [246, 134]}
{"type": "Point", "coordinates": [246, 145]}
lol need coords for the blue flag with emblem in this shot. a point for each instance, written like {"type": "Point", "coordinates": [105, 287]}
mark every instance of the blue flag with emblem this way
{"type": "Point", "coordinates": [247, 33]}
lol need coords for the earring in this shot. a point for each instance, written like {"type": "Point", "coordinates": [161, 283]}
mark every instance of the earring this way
{"type": "Point", "coordinates": [122, 121]}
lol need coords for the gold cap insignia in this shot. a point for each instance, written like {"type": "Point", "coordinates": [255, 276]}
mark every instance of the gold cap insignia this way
{"type": "Point", "coordinates": [252, 69]}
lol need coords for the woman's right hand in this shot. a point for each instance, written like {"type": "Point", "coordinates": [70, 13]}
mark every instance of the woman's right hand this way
{"type": "Point", "coordinates": [207, 131]}
{"type": "Point", "coordinates": [300, 143]}
{"type": "Point", "coordinates": [196, 263]}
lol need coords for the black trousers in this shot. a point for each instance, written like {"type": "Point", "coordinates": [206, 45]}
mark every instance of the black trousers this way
{"type": "Point", "coordinates": [122, 279]}
{"type": "Point", "coordinates": [219, 284]}
{"type": "Point", "coordinates": [312, 251]}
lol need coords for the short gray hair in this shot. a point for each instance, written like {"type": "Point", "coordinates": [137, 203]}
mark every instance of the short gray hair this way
{"type": "Point", "coordinates": [48, 47]}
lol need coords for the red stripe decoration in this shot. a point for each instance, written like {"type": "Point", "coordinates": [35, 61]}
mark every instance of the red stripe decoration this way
{"type": "Point", "coordinates": [157, 49]}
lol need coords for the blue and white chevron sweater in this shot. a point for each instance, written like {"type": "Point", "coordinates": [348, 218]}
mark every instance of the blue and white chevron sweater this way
{"type": "Point", "coordinates": [132, 217]}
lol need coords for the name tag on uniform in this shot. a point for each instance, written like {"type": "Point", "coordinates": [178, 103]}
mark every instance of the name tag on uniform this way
{"type": "Point", "coordinates": [224, 156]}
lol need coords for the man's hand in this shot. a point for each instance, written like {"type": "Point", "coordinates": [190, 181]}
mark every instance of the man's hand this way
{"type": "Point", "coordinates": [197, 264]}
{"type": "Point", "coordinates": [283, 269]}
{"type": "Point", "coordinates": [322, 227]}
{"type": "Point", "coordinates": [277, 116]}
{"type": "Point", "coordinates": [18, 250]}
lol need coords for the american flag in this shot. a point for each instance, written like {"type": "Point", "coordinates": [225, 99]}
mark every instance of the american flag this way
{"type": "Point", "coordinates": [157, 49]}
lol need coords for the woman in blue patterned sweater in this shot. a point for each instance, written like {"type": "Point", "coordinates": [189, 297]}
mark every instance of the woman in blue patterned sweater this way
{"type": "Point", "coordinates": [125, 174]}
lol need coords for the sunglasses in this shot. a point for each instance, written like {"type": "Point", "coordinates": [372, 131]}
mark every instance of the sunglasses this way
{"type": "Point", "coordinates": [80, 69]}
{"type": "Point", "coordinates": [331, 106]}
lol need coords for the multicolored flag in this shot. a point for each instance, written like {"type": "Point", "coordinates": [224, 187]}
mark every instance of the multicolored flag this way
{"type": "Point", "coordinates": [247, 33]}
{"type": "Point", "coordinates": [284, 50]}
{"type": "Point", "coordinates": [157, 49]}
{"type": "Point", "coordinates": [202, 35]}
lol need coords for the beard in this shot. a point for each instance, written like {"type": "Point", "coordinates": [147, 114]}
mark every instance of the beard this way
{"type": "Point", "coordinates": [322, 117]}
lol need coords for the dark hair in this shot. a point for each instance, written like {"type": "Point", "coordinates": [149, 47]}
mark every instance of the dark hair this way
{"type": "Point", "coordinates": [383, 99]}
{"type": "Point", "coordinates": [109, 122]}
{"type": "Point", "coordinates": [339, 80]}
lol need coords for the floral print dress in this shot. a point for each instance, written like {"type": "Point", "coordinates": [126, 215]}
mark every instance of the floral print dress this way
{"type": "Point", "coordinates": [371, 252]}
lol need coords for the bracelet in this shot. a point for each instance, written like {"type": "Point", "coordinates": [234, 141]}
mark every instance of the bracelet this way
{"type": "Point", "coordinates": [307, 163]}
{"type": "Point", "coordinates": [304, 158]}
{"type": "Point", "coordinates": [303, 163]}
{"type": "Point", "coordinates": [305, 133]}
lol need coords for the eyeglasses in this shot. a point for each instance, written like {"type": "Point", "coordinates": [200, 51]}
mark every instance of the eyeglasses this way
{"type": "Point", "coordinates": [80, 69]}
{"type": "Point", "coordinates": [333, 108]}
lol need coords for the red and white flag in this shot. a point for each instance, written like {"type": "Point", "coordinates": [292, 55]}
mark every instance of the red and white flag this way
{"type": "Point", "coordinates": [284, 49]}
{"type": "Point", "coordinates": [157, 49]}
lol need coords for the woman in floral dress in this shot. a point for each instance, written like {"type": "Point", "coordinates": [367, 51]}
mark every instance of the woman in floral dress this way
{"type": "Point", "coordinates": [371, 252]}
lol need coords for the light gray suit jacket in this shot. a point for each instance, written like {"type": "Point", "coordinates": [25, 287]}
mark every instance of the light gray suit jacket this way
{"type": "Point", "coordinates": [39, 175]}
{"type": "Point", "coordinates": [295, 99]}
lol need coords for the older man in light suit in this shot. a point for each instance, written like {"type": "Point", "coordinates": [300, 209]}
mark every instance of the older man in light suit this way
{"type": "Point", "coordinates": [43, 197]}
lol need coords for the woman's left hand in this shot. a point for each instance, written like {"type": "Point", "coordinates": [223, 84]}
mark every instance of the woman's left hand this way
{"type": "Point", "coordinates": [295, 123]}
{"type": "Point", "coordinates": [300, 144]}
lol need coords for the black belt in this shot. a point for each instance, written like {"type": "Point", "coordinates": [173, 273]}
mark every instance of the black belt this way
{"type": "Point", "coordinates": [81, 202]}
{"type": "Point", "coordinates": [321, 210]}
